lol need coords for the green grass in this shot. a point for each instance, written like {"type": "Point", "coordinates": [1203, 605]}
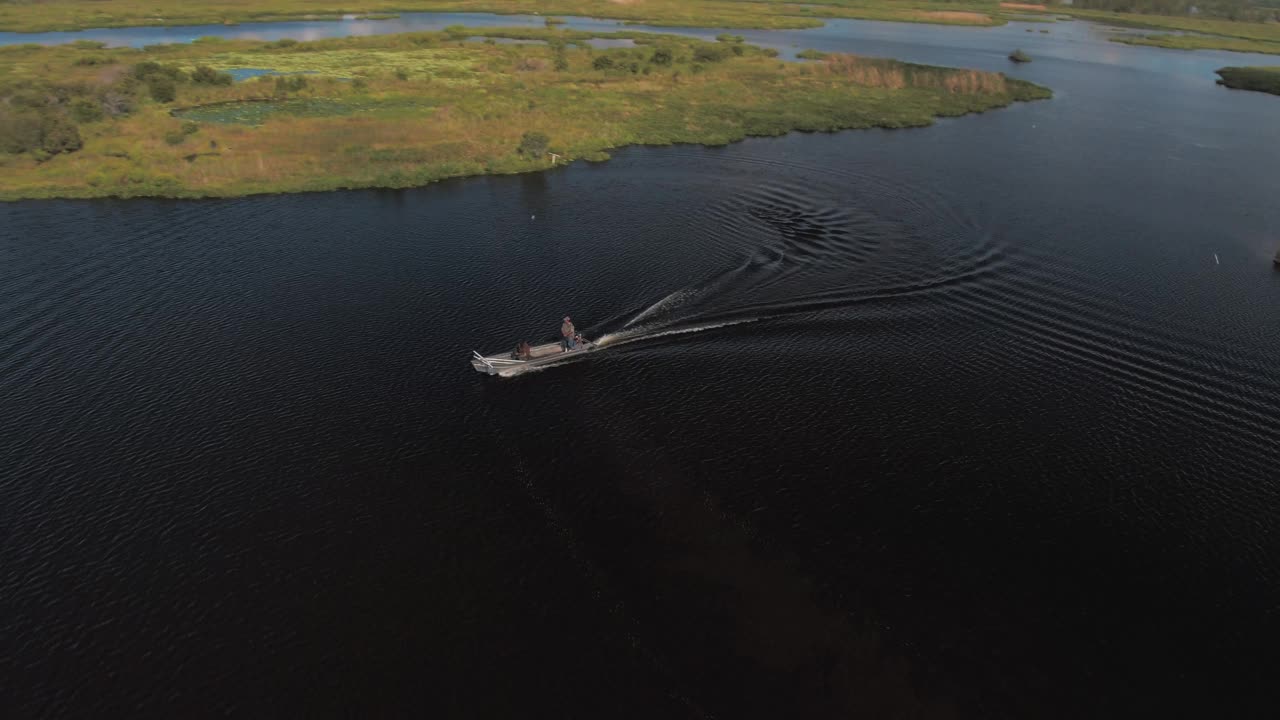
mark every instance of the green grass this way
{"type": "Point", "coordinates": [439, 63]}
{"type": "Point", "coordinates": [1212, 33]}
{"type": "Point", "coordinates": [80, 14]}
{"type": "Point", "coordinates": [256, 112]}
{"type": "Point", "coordinates": [406, 110]}
{"type": "Point", "coordinates": [1202, 42]}
{"type": "Point", "coordinates": [1209, 26]}
{"type": "Point", "coordinates": [1261, 79]}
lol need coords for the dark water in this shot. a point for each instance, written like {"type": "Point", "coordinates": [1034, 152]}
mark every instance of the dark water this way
{"type": "Point", "coordinates": [957, 422]}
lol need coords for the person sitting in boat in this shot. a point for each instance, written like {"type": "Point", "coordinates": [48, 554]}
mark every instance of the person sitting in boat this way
{"type": "Point", "coordinates": [567, 333]}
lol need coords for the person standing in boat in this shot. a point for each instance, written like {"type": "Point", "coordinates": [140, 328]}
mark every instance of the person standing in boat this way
{"type": "Point", "coordinates": [567, 333]}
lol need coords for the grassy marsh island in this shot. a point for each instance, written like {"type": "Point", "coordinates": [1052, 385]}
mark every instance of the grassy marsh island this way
{"type": "Point", "coordinates": [404, 110]}
{"type": "Point", "coordinates": [1202, 42]}
{"type": "Point", "coordinates": [1261, 79]}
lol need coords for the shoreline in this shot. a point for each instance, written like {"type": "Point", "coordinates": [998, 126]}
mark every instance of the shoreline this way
{"type": "Point", "coordinates": [342, 186]}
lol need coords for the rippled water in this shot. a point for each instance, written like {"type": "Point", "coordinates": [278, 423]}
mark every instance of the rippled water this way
{"type": "Point", "coordinates": [976, 420]}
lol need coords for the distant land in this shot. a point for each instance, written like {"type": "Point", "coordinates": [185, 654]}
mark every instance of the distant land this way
{"type": "Point", "coordinates": [83, 120]}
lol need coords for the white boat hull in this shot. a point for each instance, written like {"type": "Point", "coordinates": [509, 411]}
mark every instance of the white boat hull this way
{"type": "Point", "coordinates": [539, 356]}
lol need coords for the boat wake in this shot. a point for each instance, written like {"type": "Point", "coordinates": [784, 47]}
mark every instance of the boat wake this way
{"type": "Point", "coordinates": [793, 250]}
{"type": "Point", "coordinates": [859, 247]}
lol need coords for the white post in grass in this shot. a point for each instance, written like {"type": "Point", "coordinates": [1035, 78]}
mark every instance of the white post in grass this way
{"type": "Point", "coordinates": [554, 158]}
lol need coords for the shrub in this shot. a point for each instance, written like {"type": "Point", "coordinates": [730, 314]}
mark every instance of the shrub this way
{"type": "Point", "coordinates": [402, 74]}
{"type": "Point", "coordinates": [562, 60]}
{"type": "Point", "coordinates": [205, 75]}
{"type": "Point", "coordinates": [19, 131]}
{"type": "Point", "coordinates": [1019, 57]}
{"type": "Point", "coordinates": [59, 135]}
{"type": "Point", "coordinates": [190, 127]}
{"type": "Point", "coordinates": [283, 43]}
{"type": "Point", "coordinates": [359, 84]}
{"type": "Point", "coordinates": [290, 83]}
{"type": "Point", "coordinates": [534, 144]}
{"type": "Point", "coordinates": [91, 60]}
{"type": "Point", "coordinates": [602, 62]}
{"type": "Point", "coordinates": [162, 89]}
{"type": "Point", "coordinates": [175, 137]}
{"type": "Point", "coordinates": [811, 54]}
{"type": "Point", "coordinates": [727, 38]}
{"type": "Point", "coordinates": [29, 98]}
{"type": "Point", "coordinates": [147, 69]}
{"type": "Point", "coordinates": [662, 56]}
{"type": "Point", "coordinates": [86, 111]}
{"type": "Point", "coordinates": [709, 53]}
{"type": "Point", "coordinates": [116, 103]}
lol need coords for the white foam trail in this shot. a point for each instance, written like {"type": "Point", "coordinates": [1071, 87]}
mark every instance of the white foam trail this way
{"type": "Point", "coordinates": [658, 306]}
{"type": "Point", "coordinates": [624, 338]}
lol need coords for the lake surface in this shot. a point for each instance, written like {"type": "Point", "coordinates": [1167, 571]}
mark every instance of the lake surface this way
{"type": "Point", "coordinates": [978, 420]}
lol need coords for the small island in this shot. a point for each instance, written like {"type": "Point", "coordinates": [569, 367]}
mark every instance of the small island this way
{"type": "Point", "coordinates": [228, 118]}
{"type": "Point", "coordinates": [1260, 79]}
{"type": "Point", "coordinates": [1019, 57]}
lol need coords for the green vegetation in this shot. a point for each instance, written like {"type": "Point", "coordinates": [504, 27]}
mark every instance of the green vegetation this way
{"type": "Point", "coordinates": [1019, 57]}
{"type": "Point", "coordinates": [534, 144]}
{"type": "Point", "coordinates": [1207, 33]}
{"type": "Point", "coordinates": [79, 14]}
{"type": "Point", "coordinates": [1202, 42]}
{"type": "Point", "coordinates": [1242, 10]}
{"type": "Point", "coordinates": [811, 54]}
{"type": "Point", "coordinates": [1262, 79]}
{"type": "Point", "coordinates": [406, 110]}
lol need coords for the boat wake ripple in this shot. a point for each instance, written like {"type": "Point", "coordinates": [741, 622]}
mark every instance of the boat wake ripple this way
{"type": "Point", "coordinates": [805, 249]}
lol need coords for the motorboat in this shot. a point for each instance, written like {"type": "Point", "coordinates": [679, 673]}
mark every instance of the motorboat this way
{"type": "Point", "coordinates": [508, 363]}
